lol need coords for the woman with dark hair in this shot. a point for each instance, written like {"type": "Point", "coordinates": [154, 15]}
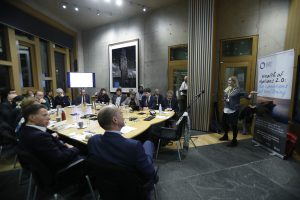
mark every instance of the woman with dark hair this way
{"type": "Point", "coordinates": [232, 96]}
{"type": "Point", "coordinates": [103, 97]}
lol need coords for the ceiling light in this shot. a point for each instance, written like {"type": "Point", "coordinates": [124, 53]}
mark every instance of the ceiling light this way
{"type": "Point", "coordinates": [76, 8]}
{"type": "Point", "coordinates": [107, 1]}
{"type": "Point", "coordinates": [119, 2]}
{"type": "Point", "coordinates": [144, 9]}
{"type": "Point", "coordinates": [98, 12]}
{"type": "Point", "coordinates": [64, 5]}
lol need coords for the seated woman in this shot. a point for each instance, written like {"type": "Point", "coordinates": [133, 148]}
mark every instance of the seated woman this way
{"type": "Point", "coordinates": [61, 99]}
{"type": "Point", "coordinates": [103, 97]}
{"type": "Point", "coordinates": [132, 101]}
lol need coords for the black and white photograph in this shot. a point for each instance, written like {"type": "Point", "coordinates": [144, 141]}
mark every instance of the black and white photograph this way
{"type": "Point", "coordinates": [124, 65]}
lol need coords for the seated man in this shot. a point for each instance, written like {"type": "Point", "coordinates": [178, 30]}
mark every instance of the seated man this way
{"type": "Point", "coordinates": [61, 99]}
{"type": "Point", "coordinates": [35, 139]}
{"type": "Point", "coordinates": [147, 99]}
{"type": "Point", "coordinates": [118, 98]}
{"type": "Point", "coordinates": [39, 97]}
{"type": "Point", "coordinates": [158, 98]}
{"type": "Point", "coordinates": [83, 98]}
{"type": "Point", "coordinates": [170, 101]}
{"type": "Point", "coordinates": [112, 147]}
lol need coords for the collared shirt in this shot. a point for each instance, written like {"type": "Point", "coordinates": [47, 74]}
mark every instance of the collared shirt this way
{"type": "Point", "coordinates": [44, 129]}
{"type": "Point", "coordinates": [118, 132]}
{"type": "Point", "coordinates": [118, 101]}
{"type": "Point", "coordinates": [183, 88]}
{"type": "Point", "coordinates": [83, 99]}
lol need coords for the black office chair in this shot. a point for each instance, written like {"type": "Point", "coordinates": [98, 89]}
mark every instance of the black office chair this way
{"type": "Point", "coordinates": [113, 182]}
{"type": "Point", "coordinates": [48, 181]}
{"type": "Point", "coordinates": [172, 134]}
{"type": "Point", "coordinates": [7, 137]}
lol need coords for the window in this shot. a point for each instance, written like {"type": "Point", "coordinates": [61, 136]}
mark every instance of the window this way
{"type": "Point", "coordinates": [178, 53]}
{"type": "Point", "coordinates": [26, 66]}
{"type": "Point", "coordinates": [44, 58]}
{"type": "Point", "coordinates": [60, 70]}
{"type": "Point", "coordinates": [3, 50]}
{"type": "Point", "coordinates": [237, 47]}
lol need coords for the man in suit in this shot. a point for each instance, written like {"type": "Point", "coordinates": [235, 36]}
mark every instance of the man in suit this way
{"type": "Point", "coordinates": [35, 139]}
{"type": "Point", "coordinates": [61, 99]}
{"type": "Point", "coordinates": [118, 98]}
{"type": "Point", "coordinates": [112, 147]}
{"type": "Point", "coordinates": [148, 99]}
{"type": "Point", "coordinates": [158, 98]}
{"type": "Point", "coordinates": [83, 98]}
{"type": "Point", "coordinates": [39, 97]}
{"type": "Point", "coordinates": [170, 101]}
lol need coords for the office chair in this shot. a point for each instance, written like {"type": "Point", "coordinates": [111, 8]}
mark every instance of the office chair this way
{"type": "Point", "coordinates": [113, 182]}
{"type": "Point", "coordinates": [48, 181]}
{"type": "Point", "coordinates": [172, 134]}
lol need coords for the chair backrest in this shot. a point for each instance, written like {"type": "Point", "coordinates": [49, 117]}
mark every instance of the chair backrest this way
{"type": "Point", "coordinates": [114, 182]}
{"type": "Point", "coordinates": [180, 126]}
{"type": "Point", "coordinates": [42, 175]}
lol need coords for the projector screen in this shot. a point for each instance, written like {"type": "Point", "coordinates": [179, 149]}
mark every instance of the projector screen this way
{"type": "Point", "coordinates": [81, 80]}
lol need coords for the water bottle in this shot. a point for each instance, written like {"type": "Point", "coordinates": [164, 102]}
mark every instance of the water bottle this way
{"type": "Point", "coordinates": [160, 109]}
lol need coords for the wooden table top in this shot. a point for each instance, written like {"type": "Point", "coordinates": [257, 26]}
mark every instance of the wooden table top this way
{"type": "Point", "coordinates": [132, 129]}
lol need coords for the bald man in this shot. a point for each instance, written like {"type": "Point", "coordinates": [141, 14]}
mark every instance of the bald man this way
{"type": "Point", "coordinates": [112, 147]}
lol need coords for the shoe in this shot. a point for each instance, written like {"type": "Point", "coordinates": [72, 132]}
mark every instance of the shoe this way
{"type": "Point", "coordinates": [223, 138]}
{"type": "Point", "coordinates": [233, 143]}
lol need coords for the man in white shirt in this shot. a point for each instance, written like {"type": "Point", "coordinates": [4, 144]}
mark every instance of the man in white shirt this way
{"type": "Point", "coordinates": [183, 94]}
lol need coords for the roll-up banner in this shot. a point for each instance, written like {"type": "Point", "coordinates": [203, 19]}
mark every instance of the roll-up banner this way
{"type": "Point", "coordinates": [274, 87]}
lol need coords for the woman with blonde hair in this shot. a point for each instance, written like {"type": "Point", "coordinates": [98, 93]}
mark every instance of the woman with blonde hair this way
{"type": "Point", "coordinates": [232, 96]}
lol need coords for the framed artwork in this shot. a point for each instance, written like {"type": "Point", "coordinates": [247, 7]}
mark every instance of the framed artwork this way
{"type": "Point", "coordinates": [123, 65]}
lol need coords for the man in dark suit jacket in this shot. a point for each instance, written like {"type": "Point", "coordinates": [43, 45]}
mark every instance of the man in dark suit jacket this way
{"type": "Point", "coordinates": [82, 98]}
{"type": "Point", "coordinates": [118, 98]}
{"type": "Point", "coordinates": [35, 139]}
{"type": "Point", "coordinates": [148, 99]}
{"type": "Point", "coordinates": [158, 98]}
{"type": "Point", "coordinates": [112, 147]}
{"type": "Point", "coordinates": [61, 99]}
{"type": "Point", "coordinates": [170, 102]}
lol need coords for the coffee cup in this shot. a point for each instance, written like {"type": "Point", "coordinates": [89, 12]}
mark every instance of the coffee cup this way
{"type": "Point", "coordinates": [80, 124]}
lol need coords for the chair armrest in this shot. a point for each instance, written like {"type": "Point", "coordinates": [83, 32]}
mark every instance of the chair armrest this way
{"type": "Point", "coordinates": [72, 165]}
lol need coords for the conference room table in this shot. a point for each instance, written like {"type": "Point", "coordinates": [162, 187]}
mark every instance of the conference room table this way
{"type": "Point", "coordinates": [134, 122]}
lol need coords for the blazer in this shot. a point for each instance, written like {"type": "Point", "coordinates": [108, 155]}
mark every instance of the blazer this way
{"type": "Point", "coordinates": [128, 153]}
{"type": "Point", "coordinates": [63, 101]}
{"type": "Point", "coordinates": [114, 98]}
{"type": "Point", "coordinates": [174, 104]}
{"type": "Point", "coordinates": [158, 100]}
{"type": "Point", "coordinates": [48, 149]}
{"type": "Point", "coordinates": [78, 99]}
{"type": "Point", "coordinates": [151, 104]}
{"type": "Point", "coordinates": [103, 98]}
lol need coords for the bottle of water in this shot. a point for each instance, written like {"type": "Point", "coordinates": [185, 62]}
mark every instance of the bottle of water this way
{"type": "Point", "coordinates": [160, 109]}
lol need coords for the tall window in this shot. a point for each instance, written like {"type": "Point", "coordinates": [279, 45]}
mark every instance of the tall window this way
{"type": "Point", "coordinates": [26, 66]}
{"type": "Point", "coordinates": [3, 55]}
{"type": "Point", "coordinates": [44, 58]}
{"type": "Point", "coordinates": [60, 70]}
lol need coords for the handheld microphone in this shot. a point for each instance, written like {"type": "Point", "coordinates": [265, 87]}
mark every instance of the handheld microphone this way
{"type": "Point", "coordinates": [202, 92]}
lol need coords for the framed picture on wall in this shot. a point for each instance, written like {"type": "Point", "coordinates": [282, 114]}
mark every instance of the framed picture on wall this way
{"type": "Point", "coordinates": [123, 64]}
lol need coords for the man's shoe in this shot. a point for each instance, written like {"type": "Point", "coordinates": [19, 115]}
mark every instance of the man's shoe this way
{"type": "Point", "coordinates": [233, 143]}
{"type": "Point", "coordinates": [223, 138]}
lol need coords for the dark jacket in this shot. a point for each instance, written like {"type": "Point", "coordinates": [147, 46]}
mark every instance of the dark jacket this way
{"type": "Point", "coordinates": [78, 99]}
{"type": "Point", "coordinates": [234, 99]}
{"type": "Point", "coordinates": [128, 153]}
{"type": "Point", "coordinates": [48, 149]}
{"type": "Point", "coordinates": [114, 98]}
{"type": "Point", "coordinates": [173, 104]}
{"type": "Point", "coordinates": [158, 100]}
{"type": "Point", "coordinates": [103, 98]}
{"type": "Point", "coordinates": [150, 104]}
{"type": "Point", "coordinates": [63, 101]}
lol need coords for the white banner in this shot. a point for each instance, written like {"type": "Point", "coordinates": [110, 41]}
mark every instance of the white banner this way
{"type": "Point", "coordinates": [275, 75]}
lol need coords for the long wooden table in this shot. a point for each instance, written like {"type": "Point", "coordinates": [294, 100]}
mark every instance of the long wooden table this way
{"type": "Point", "coordinates": [132, 129]}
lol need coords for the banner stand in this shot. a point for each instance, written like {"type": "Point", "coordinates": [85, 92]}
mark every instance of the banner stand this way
{"type": "Point", "coordinates": [272, 153]}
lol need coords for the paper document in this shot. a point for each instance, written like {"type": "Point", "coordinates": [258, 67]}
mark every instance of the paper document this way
{"type": "Point", "coordinates": [127, 129]}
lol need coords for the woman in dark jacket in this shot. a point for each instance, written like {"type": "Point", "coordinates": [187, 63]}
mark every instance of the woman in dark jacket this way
{"type": "Point", "coordinates": [103, 97]}
{"type": "Point", "coordinates": [232, 96]}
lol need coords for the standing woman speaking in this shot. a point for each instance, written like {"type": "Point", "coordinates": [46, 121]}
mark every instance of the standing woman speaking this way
{"type": "Point", "coordinates": [232, 96]}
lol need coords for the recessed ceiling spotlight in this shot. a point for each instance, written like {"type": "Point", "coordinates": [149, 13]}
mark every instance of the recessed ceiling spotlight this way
{"type": "Point", "coordinates": [76, 8]}
{"type": "Point", "coordinates": [119, 2]}
{"type": "Point", "coordinates": [64, 5]}
{"type": "Point", "coordinates": [144, 9]}
{"type": "Point", "coordinates": [98, 12]}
